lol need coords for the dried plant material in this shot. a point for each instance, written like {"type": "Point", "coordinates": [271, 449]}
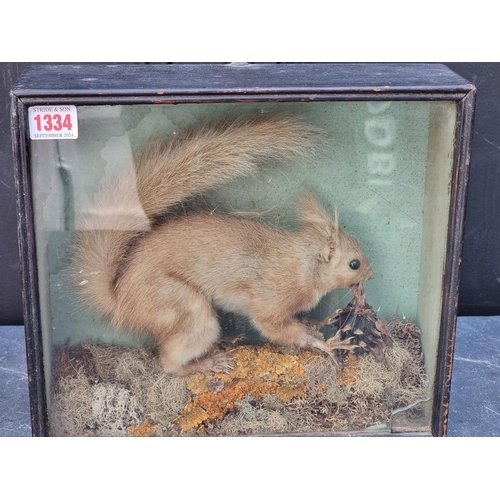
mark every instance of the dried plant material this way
{"type": "Point", "coordinates": [113, 389]}
{"type": "Point", "coordinates": [192, 416]}
{"type": "Point", "coordinates": [258, 371]}
{"type": "Point", "coordinates": [71, 361]}
{"type": "Point", "coordinates": [146, 429]}
{"type": "Point", "coordinates": [349, 374]}
{"type": "Point", "coordinates": [104, 390]}
{"type": "Point", "coordinates": [114, 408]}
{"type": "Point", "coordinates": [71, 405]}
{"type": "Point", "coordinates": [356, 328]}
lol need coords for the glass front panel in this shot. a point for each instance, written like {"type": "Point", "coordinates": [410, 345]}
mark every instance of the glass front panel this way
{"type": "Point", "coordinates": [243, 280]}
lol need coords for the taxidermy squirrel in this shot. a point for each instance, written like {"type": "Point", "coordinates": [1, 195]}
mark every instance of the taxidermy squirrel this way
{"type": "Point", "coordinates": [143, 264]}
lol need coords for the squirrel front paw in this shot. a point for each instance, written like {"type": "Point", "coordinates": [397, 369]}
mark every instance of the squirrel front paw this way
{"type": "Point", "coordinates": [315, 343]}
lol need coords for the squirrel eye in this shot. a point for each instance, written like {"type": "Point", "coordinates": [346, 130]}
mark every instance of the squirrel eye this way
{"type": "Point", "coordinates": [354, 264]}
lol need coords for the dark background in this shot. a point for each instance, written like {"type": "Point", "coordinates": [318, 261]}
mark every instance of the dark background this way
{"type": "Point", "coordinates": [480, 270]}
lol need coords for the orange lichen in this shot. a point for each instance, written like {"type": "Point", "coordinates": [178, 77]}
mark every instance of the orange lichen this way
{"type": "Point", "coordinates": [287, 392]}
{"type": "Point", "coordinates": [217, 404]}
{"type": "Point", "coordinates": [146, 429]}
{"type": "Point", "coordinates": [258, 371]}
{"type": "Point", "coordinates": [277, 392]}
{"type": "Point", "coordinates": [350, 371]}
{"type": "Point", "coordinates": [192, 416]}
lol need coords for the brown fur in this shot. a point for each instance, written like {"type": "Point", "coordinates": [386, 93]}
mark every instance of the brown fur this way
{"type": "Point", "coordinates": [164, 279]}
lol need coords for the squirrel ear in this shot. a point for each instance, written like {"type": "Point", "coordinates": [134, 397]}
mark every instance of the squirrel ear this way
{"type": "Point", "coordinates": [310, 211]}
{"type": "Point", "coordinates": [326, 254]}
{"type": "Point", "coordinates": [336, 222]}
{"type": "Point", "coordinates": [331, 244]}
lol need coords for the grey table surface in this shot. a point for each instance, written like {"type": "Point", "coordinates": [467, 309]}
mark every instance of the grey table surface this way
{"type": "Point", "coordinates": [474, 400]}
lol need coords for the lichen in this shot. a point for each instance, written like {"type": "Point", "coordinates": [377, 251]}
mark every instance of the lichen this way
{"type": "Point", "coordinates": [105, 390]}
{"type": "Point", "coordinates": [349, 374]}
{"type": "Point", "coordinates": [258, 371]}
{"type": "Point", "coordinates": [146, 429]}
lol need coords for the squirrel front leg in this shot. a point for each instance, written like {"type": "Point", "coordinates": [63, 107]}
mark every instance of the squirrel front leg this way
{"type": "Point", "coordinates": [289, 332]}
{"type": "Point", "coordinates": [280, 325]}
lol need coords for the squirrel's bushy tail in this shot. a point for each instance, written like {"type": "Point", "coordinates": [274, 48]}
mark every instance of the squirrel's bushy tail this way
{"type": "Point", "coordinates": [175, 168]}
{"type": "Point", "coordinates": [167, 172]}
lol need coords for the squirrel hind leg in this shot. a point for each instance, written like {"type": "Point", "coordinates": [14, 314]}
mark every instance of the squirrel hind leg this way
{"type": "Point", "coordinates": [195, 331]}
{"type": "Point", "coordinates": [221, 362]}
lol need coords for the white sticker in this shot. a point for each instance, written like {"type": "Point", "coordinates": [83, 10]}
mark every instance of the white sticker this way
{"type": "Point", "coordinates": [53, 122]}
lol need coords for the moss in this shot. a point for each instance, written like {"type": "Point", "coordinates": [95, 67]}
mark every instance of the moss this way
{"type": "Point", "coordinates": [104, 390]}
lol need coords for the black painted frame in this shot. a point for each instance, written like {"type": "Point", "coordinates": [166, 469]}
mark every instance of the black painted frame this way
{"type": "Point", "coordinates": [88, 84]}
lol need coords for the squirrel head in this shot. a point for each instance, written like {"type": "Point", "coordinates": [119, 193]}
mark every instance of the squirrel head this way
{"type": "Point", "coordinates": [345, 264]}
{"type": "Point", "coordinates": [341, 261]}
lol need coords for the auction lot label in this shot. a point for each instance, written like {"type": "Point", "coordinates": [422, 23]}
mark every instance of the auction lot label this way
{"type": "Point", "coordinates": [53, 122]}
